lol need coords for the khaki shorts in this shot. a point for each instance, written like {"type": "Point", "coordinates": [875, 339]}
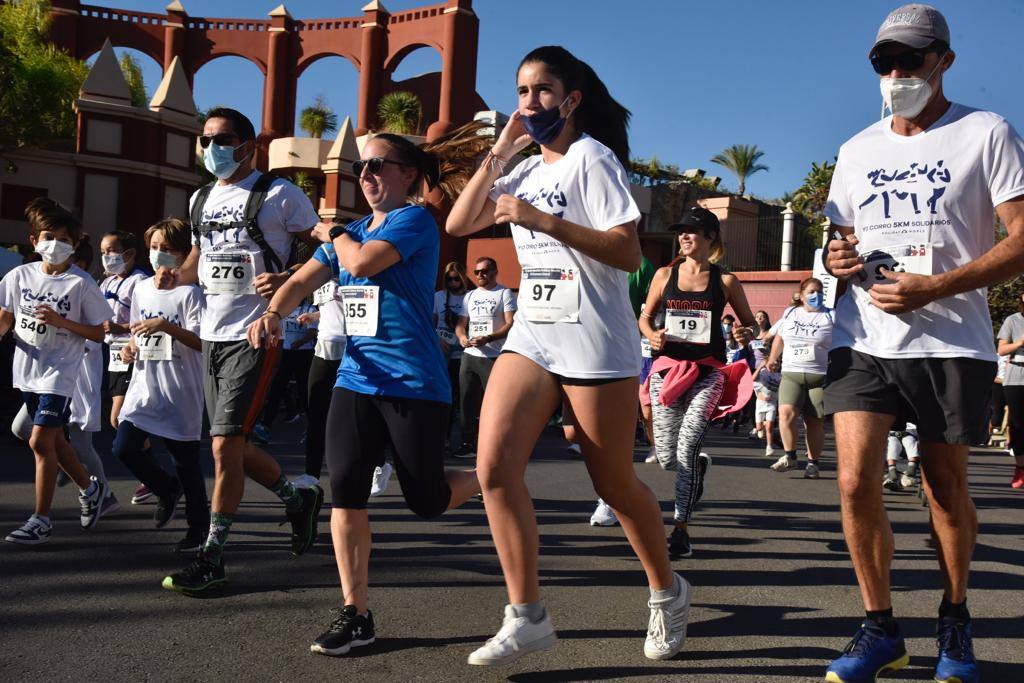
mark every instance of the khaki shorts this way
{"type": "Point", "coordinates": [804, 391]}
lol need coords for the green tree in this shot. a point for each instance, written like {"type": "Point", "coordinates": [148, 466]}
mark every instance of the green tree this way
{"type": "Point", "coordinates": [1004, 298]}
{"type": "Point", "coordinates": [39, 82]}
{"type": "Point", "coordinates": [318, 118]}
{"type": "Point", "coordinates": [400, 112]}
{"type": "Point", "coordinates": [742, 161]}
{"type": "Point", "coordinates": [809, 199]}
{"type": "Point", "coordinates": [133, 77]}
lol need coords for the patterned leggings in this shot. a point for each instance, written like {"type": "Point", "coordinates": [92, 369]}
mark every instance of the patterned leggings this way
{"type": "Point", "coordinates": [679, 431]}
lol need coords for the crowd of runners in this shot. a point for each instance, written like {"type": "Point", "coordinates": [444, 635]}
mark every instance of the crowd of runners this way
{"type": "Point", "coordinates": [219, 311]}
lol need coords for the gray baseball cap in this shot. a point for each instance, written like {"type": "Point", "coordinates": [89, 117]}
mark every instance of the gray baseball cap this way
{"type": "Point", "coordinates": [915, 25]}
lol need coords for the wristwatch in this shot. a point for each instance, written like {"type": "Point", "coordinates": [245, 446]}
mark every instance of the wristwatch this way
{"type": "Point", "coordinates": [336, 232]}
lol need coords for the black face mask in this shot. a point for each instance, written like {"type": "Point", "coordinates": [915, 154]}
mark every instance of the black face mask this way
{"type": "Point", "coordinates": [545, 126]}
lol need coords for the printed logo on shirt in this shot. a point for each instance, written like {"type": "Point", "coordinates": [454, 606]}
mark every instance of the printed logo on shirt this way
{"type": "Point", "coordinates": [483, 308]}
{"type": "Point", "coordinates": [804, 329]}
{"type": "Point", "coordinates": [60, 304]}
{"type": "Point", "coordinates": [169, 317]}
{"type": "Point", "coordinates": [920, 186]}
{"type": "Point", "coordinates": [552, 198]}
{"type": "Point", "coordinates": [688, 304]}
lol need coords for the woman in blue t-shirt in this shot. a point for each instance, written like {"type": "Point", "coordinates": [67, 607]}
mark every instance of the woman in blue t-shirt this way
{"type": "Point", "coordinates": [392, 383]}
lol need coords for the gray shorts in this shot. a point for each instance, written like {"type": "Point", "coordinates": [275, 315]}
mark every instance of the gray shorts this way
{"type": "Point", "coordinates": [235, 382]}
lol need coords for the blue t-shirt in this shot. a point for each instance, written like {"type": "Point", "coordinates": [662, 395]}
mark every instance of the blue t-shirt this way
{"type": "Point", "coordinates": [404, 359]}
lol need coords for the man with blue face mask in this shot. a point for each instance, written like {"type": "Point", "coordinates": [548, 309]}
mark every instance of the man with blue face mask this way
{"type": "Point", "coordinates": [912, 197]}
{"type": "Point", "coordinates": [244, 226]}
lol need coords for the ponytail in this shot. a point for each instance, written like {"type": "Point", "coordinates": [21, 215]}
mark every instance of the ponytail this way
{"type": "Point", "coordinates": [446, 163]}
{"type": "Point", "coordinates": [598, 115]}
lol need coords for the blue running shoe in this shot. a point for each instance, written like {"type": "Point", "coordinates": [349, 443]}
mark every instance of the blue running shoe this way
{"type": "Point", "coordinates": [956, 653]}
{"type": "Point", "coordinates": [869, 653]}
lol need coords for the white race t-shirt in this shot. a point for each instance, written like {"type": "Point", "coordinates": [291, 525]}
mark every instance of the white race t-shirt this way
{"type": "Point", "coordinates": [588, 187]}
{"type": "Point", "coordinates": [286, 210]}
{"type": "Point", "coordinates": [54, 367]}
{"type": "Point", "coordinates": [807, 336]}
{"type": "Point", "coordinates": [86, 403]}
{"type": "Point", "coordinates": [486, 309]}
{"type": "Point", "coordinates": [935, 189]}
{"type": "Point", "coordinates": [443, 299]}
{"type": "Point", "coordinates": [165, 397]}
{"type": "Point", "coordinates": [293, 331]}
{"type": "Point", "coordinates": [118, 292]}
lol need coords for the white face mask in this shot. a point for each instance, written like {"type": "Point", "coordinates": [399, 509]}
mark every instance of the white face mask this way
{"type": "Point", "coordinates": [162, 259]}
{"type": "Point", "coordinates": [907, 97]}
{"type": "Point", "coordinates": [113, 263]}
{"type": "Point", "coordinates": [54, 252]}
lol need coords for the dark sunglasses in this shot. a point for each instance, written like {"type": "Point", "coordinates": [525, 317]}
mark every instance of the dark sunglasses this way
{"type": "Point", "coordinates": [374, 164]}
{"type": "Point", "coordinates": [482, 271]}
{"type": "Point", "coordinates": [220, 139]}
{"type": "Point", "coordinates": [454, 278]}
{"type": "Point", "coordinates": [906, 61]}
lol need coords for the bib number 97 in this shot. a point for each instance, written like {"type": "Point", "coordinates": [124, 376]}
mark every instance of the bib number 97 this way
{"type": "Point", "coordinates": [543, 292]}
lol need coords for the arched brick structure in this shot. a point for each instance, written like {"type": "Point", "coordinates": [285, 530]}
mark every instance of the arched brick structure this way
{"type": "Point", "coordinates": [282, 47]}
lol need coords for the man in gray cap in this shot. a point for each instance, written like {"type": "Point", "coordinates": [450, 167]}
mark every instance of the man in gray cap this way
{"type": "Point", "coordinates": [912, 198]}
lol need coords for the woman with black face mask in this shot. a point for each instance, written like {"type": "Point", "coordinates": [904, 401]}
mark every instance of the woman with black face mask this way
{"type": "Point", "coordinates": [573, 221]}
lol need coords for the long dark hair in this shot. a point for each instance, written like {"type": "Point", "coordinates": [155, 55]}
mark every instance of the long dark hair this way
{"type": "Point", "coordinates": [598, 115]}
{"type": "Point", "coordinates": [446, 163]}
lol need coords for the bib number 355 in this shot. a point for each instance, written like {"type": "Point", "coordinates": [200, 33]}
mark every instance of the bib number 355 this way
{"type": "Point", "coordinates": [361, 306]}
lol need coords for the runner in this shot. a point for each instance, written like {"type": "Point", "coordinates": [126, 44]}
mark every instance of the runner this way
{"type": "Point", "coordinates": [53, 306]}
{"type": "Point", "coordinates": [485, 321]}
{"type": "Point", "coordinates": [447, 309]}
{"type": "Point", "coordinates": [244, 226]}
{"type": "Point", "coordinates": [296, 359]}
{"type": "Point", "coordinates": [575, 336]}
{"type": "Point", "coordinates": [392, 383]}
{"type": "Point", "coordinates": [913, 196]}
{"type": "Point", "coordinates": [165, 394]}
{"type": "Point", "coordinates": [800, 351]}
{"type": "Point", "coordinates": [901, 440]}
{"type": "Point", "coordinates": [1011, 341]}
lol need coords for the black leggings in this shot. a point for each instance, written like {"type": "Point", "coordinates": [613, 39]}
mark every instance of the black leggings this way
{"type": "Point", "coordinates": [293, 364]}
{"type": "Point", "coordinates": [1014, 396]}
{"type": "Point", "coordinates": [358, 428]}
{"type": "Point", "coordinates": [322, 376]}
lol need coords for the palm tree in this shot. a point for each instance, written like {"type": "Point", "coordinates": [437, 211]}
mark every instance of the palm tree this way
{"type": "Point", "coordinates": [318, 118]}
{"type": "Point", "coordinates": [400, 112]}
{"type": "Point", "coordinates": [742, 161]}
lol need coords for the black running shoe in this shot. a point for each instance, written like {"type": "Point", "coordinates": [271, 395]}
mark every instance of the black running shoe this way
{"type": "Point", "coordinates": [200, 577]}
{"type": "Point", "coordinates": [679, 543]}
{"type": "Point", "coordinates": [703, 465]}
{"type": "Point", "coordinates": [191, 544]}
{"type": "Point", "coordinates": [346, 632]}
{"type": "Point", "coordinates": [465, 452]}
{"type": "Point", "coordinates": [165, 507]}
{"type": "Point", "coordinates": [304, 519]}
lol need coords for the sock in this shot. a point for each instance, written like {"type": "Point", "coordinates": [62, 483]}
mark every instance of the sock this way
{"type": "Point", "coordinates": [42, 518]}
{"type": "Point", "coordinates": [220, 525]}
{"type": "Point", "coordinates": [912, 468]}
{"type": "Point", "coordinates": [883, 618]}
{"type": "Point", "coordinates": [287, 492]}
{"type": "Point", "coordinates": [892, 471]}
{"type": "Point", "coordinates": [791, 454]}
{"type": "Point", "coordinates": [534, 611]}
{"type": "Point", "coordinates": [91, 489]}
{"type": "Point", "coordinates": [667, 593]}
{"type": "Point", "coordinates": [954, 610]}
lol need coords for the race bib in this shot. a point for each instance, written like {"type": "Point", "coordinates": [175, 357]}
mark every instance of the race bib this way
{"type": "Point", "coordinates": [645, 347]}
{"type": "Point", "coordinates": [692, 327]}
{"type": "Point", "coordinates": [798, 353]}
{"type": "Point", "coordinates": [757, 345]}
{"type": "Point", "coordinates": [33, 331]}
{"type": "Point", "coordinates": [361, 306]}
{"type": "Point", "coordinates": [116, 364]}
{"type": "Point", "coordinates": [901, 258]}
{"type": "Point", "coordinates": [325, 294]}
{"type": "Point", "coordinates": [480, 328]}
{"type": "Point", "coordinates": [229, 272]}
{"type": "Point", "coordinates": [156, 346]}
{"type": "Point", "coordinates": [550, 295]}
{"type": "Point", "coordinates": [447, 336]}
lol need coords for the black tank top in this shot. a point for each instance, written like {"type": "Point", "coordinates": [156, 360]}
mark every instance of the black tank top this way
{"type": "Point", "coordinates": [711, 299]}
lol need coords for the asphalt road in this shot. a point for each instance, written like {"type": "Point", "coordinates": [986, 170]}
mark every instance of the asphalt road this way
{"type": "Point", "coordinates": [774, 594]}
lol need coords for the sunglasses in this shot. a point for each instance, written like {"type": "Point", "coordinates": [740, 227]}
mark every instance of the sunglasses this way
{"type": "Point", "coordinates": [454, 278]}
{"type": "Point", "coordinates": [906, 61]}
{"type": "Point", "coordinates": [374, 164]}
{"type": "Point", "coordinates": [220, 139]}
{"type": "Point", "coordinates": [482, 271]}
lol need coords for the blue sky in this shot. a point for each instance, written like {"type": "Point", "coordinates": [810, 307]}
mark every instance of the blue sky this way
{"type": "Point", "coordinates": [790, 76]}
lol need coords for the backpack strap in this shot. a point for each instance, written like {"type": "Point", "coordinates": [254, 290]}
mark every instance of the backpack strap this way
{"type": "Point", "coordinates": [196, 217]}
{"type": "Point", "coordinates": [257, 196]}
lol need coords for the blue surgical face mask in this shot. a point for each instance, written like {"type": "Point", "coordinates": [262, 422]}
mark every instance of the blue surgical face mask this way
{"type": "Point", "coordinates": [814, 299]}
{"type": "Point", "coordinates": [220, 160]}
{"type": "Point", "coordinates": [546, 125]}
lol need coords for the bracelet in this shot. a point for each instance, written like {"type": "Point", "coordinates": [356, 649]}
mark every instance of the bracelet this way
{"type": "Point", "coordinates": [272, 312]}
{"type": "Point", "coordinates": [493, 161]}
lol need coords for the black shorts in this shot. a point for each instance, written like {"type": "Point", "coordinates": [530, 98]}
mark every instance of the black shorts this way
{"type": "Point", "coordinates": [235, 381]}
{"type": "Point", "coordinates": [947, 398]}
{"type": "Point", "coordinates": [117, 382]}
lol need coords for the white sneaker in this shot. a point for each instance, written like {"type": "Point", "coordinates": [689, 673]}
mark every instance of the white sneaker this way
{"type": "Point", "coordinates": [306, 481]}
{"type": "Point", "coordinates": [574, 448]}
{"type": "Point", "coordinates": [516, 637]}
{"type": "Point", "coordinates": [760, 435]}
{"type": "Point", "coordinates": [381, 477]}
{"type": "Point", "coordinates": [811, 471]}
{"type": "Point", "coordinates": [769, 451]}
{"type": "Point", "coordinates": [666, 631]}
{"type": "Point", "coordinates": [33, 532]}
{"type": "Point", "coordinates": [652, 456]}
{"type": "Point", "coordinates": [784, 463]}
{"type": "Point", "coordinates": [92, 505]}
{"type": "Point", "coordinates": [603, 515]}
